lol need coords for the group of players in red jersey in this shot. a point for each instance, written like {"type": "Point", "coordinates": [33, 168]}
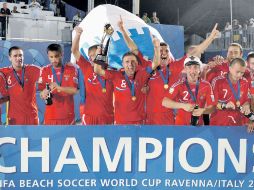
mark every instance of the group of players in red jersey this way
{"type": "Point", "coordinates": [158, 92]}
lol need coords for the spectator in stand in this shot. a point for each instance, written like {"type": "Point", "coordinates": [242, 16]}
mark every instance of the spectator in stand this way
{"type": "Point", "coordinates": [236, 30]}
{"type": "Point", "coordinates": [155, 19]}
{"type": "Point", "coordinates": [35, 9]}
{"type": "Point", "coordinates": [14, 10]}
{"type": "Point", "coordinates": [145, 18]}
{"type": "Point", "coordinates": [4, 12]}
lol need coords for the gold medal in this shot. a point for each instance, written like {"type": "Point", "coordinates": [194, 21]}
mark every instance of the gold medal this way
{"type": "Point", "coordinates": [104, 90]}
{"type": "Point", "coordinates": [238, 103]}
{"type": "Point", "coordinates": [133, 98]}
{"type": "Point", "coordinates": [165, 86]}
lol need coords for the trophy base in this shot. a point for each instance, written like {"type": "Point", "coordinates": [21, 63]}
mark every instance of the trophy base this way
{"type": "Point", "coordinates": [101, 60]}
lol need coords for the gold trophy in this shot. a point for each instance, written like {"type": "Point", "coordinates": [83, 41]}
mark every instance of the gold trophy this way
{"type": "Point", "coordinates": [102, 58]}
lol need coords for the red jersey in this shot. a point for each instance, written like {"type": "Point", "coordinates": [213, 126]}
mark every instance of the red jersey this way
{"type": "Point", "coordinates": [3, 86]}
{"type": "Point", "coordinates": [179, 93]}
{"type": "Point", "coordinates": [127, 110]}
{"type": "Point", "coordinates": [61, 112]}
{"type": "Point", "coordinates": [157, 92]}
{"type": "Point", "coordinates": [219, 70]}
{"type": "Point", "coordinates": [223, 93]}
{"type": "Point", "coordinates": [22, 107]}
{"type": "Point", "coordinates": [3, 91]}
{"type": "Point", "coordinates": [98, 108]}
{"type": "Point", "coordinates": [249, 75]}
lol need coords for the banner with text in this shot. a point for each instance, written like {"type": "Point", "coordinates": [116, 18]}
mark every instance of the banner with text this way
{"type": "Point", "coordinates": [126, 157]}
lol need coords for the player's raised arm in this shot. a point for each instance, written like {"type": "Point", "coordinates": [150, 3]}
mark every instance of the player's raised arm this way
{"type": "Point", "coordinates": [129, 42]}
{"type": "Point", "coordinates": [75, 42]}
{"type": "Point", "coordinates": [156, 58]}
{"type": "Point", "coordinates": [199, 49]}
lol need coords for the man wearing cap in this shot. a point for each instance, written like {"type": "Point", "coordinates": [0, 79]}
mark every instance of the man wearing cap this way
{"type": "Point", "coordinates": [191, 95]}
{"type": "Point", "coordinates": [231, 96]}
{"type": "Point", "coordinates": [129, 100]}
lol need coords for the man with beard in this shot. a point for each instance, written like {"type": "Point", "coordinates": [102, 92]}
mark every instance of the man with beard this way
{"type": "Point", "coordinates": [164, 76]}
{"type": "Point", "coordinates": [191, 95]}
{"type": "Point", "coordinates": [62, 80]}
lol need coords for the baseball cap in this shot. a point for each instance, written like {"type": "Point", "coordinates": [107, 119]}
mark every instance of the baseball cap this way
{"type": "Point", "coordinates": [192, 60]}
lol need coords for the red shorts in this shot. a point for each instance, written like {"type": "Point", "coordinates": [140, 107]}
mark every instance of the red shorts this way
{"type": "Point", "coordinates": [165, 118]}
{"type": "Point", "coordinates": [130, 122]}
{"type": "Point", "coordinates": [227, 118]}
{"type": "Point", "coordinates": [23, 121]}
{"type": "Point", "coordinates": [67, 121]}
{"type": "Point", "coordinates": [96, 120]}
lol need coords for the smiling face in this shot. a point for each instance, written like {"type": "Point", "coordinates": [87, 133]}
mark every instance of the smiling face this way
{"type": "Point", "coordinates": [16, 58]}
{"type": "Point", "coordinates": [164, 51]}
{"type": "Point", "coordinates": [130, 64]}
{"type": "Point", "coordinates": [193, 72]}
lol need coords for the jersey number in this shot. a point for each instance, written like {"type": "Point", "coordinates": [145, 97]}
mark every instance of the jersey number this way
{"type": "Point", "coordinates": [185, 96]}
{"type": "Point", "coordinates": [123, 84]}
{"type": "Point", "coordinates": [225, 92]}
{"type": "Point", "coordinates": [50, 77]}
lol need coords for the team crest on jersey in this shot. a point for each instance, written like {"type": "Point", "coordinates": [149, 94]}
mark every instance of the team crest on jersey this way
{"type": "Point", "coordinates": [171, 90]}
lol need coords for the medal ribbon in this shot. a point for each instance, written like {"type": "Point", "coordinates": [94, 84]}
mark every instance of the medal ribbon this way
{"type": "Point", "coordinates": [61, 76]}
{"type": "Point", "coordinates": [130, 85]}
{"type": "Point", "coordinates": [236, 94]}
{"type": "Point", "coordinates": [102, 82]}
{"type": "Point", "coordinates": [21, 82]}
{"type": "Point", "coordinates": [165, 79]}
{"type": "Point", "coordinates": [193, 97]}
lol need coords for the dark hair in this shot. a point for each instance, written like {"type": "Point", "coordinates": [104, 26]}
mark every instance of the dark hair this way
{"type": "Point", "coordinates": [237, 45]}
{"type": "Point", "coordinates": [250, 55]}
{"type": "Point", "coordinates": [55, 47]}
{"type": "Point", "coordinates": [93, 47]}
{"type": "Point", "coordinates": [131, 54]}
{"type": "Point", "coordinates": [163, 44]}
{"type": "Point", "coordinates": [237, 60]}
{"type": "Point", "coordinates": [14, 48]}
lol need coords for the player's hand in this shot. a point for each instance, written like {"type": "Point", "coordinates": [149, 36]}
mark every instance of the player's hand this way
{"type": "Point", "coordinates": [78, 30]}
{"type": "Point", "coordinates": [230, 105]}
{"type": "Point", "coordinates": [120, 24]}
{"type": "Point", "coordinates": [53, 86]}
{"type": "Point", "coordinates": [250, 127]}
{"type": "Point", "coordinates": [245, 109]}
{"type": "Point", "coordinates": [215, 33]}
{"type": "Point", "coordinates": [218, 59]}
{"type": "Point", "coordinates": [44, 94]}
{"type": "Point", "coordinates": [145, 89]}
{"type": "Point", "coordinates": [188, 107]}
{"type": "Point", "coordinates": [198, 112]}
